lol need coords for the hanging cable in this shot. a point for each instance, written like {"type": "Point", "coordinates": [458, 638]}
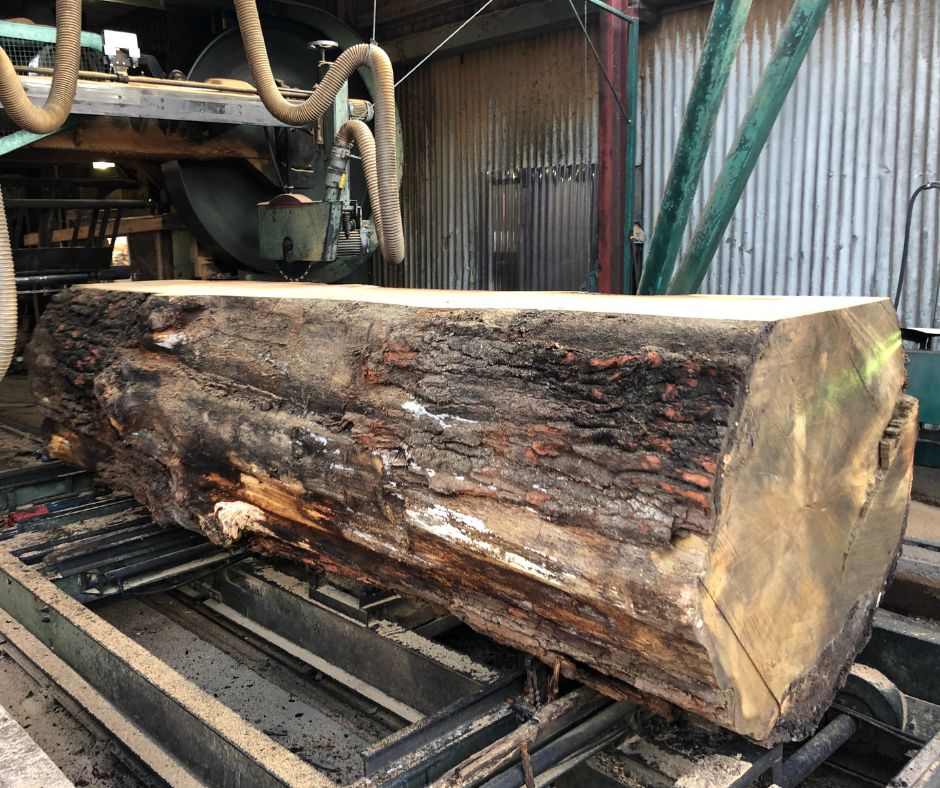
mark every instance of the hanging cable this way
{"type": "Point", "coordinates": [907, 237]}
{"type": "Point", "coordinates": [600, 65]}
{"type": "Point", "coordinates": [434, 51]}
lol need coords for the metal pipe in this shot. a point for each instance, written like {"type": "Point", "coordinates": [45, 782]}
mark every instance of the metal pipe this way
{"type": "Point", "coordinates": [811, 755]}
{"type": "Point", "coordinates": [105, 274]}
{"type": "Point", "coordinates": [752, 135]}
{"type": "Point", "coordinates": [721, 44]}
{"type": "Point", "coordinates": [75, 204]}
{"type": "Point", "coordinates": [907, 236]}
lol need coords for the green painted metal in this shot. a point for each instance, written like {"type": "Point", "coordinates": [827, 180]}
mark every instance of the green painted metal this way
{"type": "Point", "coordinates": [927, 451]}
{"type": "Point", "coordinates": [752, 135]}
{"type": "Point", "coordinates": [20, 138]}
{"type": "Point", "coordinates": [629, 193]}
{"type": "Point", "coordinates": [923, 382]}
{"type": "Point", "coordinates": [45, 34]}
{"type": "Point", "coordinates": [721, 44]}
{"type": "Point", "coordinates": [615, 11]}
{"type": "Point", "coordinates": [33, 490]}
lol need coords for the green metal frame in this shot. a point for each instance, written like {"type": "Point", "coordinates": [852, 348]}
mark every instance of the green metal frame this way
{"type": "Point", "coordinates": [725, 29]}
{"type": "Point", "coordinates": [923, 382]}
{"type": "Point", "coordinates": [752, 135]}
{"type": "Point", "coordinates": [43, 34]}
{"type": "Point", "coordinates": [46, 35]}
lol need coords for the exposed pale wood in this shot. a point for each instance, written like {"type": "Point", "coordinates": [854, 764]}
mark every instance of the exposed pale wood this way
{"type": "Point", "coordinates": [692, 500]}
{"type": "Point", "coordinates": [749, 308]}
{"type": "Point", "coordinates": [130, 225]}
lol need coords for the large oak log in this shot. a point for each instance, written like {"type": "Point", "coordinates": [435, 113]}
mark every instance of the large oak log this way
{"type": "Point", "coordinates": [698, 498]}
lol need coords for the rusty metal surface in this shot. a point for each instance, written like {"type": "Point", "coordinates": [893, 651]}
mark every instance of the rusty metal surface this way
{"type": "Point", "coordinates": [501, 159]}
{"type": "Point", "coordinates": [823, 212]}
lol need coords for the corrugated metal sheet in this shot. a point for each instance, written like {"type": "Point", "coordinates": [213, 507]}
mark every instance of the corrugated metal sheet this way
{"type": "Point", "coordinates": [825, 208]}
{"type": "Point", "coordinates": [500, 165]}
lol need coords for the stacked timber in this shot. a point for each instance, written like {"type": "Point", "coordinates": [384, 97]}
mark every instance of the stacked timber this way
{"type": "Point", "coordinates": [692, 500]}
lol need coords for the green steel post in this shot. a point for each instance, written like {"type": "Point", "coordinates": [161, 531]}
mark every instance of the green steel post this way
{"type": "Point", "coordinates": [721, 44]}
{"type": "Point", "coordinates": [752, 135]}
{"type": "Point", "coordinates": [615, 11]}
{"type": "Point", "coordinates": [633, 81]}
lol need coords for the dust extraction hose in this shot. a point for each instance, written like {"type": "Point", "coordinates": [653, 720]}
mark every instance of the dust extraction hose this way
{"type": "Point", "coordinates": [359, 133]}
{"type": "Point", "coordinates": [387, 211]}
{"type": "Point", "coordinates": [39, 120]}
{"type": "Point", "coordinates": [47, 118]}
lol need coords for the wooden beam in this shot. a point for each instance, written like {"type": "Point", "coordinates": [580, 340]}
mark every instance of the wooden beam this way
{"type": "Point", "coordinates": [122, 139]}
{"type": "Point", "coordinates": [130, 225]}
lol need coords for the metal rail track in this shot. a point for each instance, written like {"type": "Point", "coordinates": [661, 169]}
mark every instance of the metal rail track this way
{"type": "Point", "coordinates": [68, 545]}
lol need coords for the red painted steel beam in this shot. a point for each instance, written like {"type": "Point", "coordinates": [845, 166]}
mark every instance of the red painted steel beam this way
{"type": "Point", "coordinates": [611, 137]}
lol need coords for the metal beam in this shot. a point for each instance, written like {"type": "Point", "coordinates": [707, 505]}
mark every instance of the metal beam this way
{"type": "Point", "coordinates": [613, 130]}
{"type": "Point", "coordinates": [403, 673]}
{"type": "Point", "coordinates": [211, 740]}
{"type": "Point", "coordinates": [721, 44]}
{"type": "Point", "coordinates": [615, 11]}
{"type": "Point", "coordinates": [629, 188]}
{"type": "Point", "coordinates": [752, 135]}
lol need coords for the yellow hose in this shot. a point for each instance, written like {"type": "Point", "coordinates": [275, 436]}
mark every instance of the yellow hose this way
{"type": "Point", "coordinates": [358, 132]}
{"type": "Point", "coordinates": [47, 118]}
{"type": "Point", "coordinates": [7, 296]}
{"type": "Point", "coordinates": [387, 213]}
{"type": "Point", "coordinates": [39, 120]}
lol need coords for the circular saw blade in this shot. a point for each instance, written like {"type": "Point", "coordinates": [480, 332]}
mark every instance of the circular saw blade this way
{"type": "Point", "coordinates": [218, 199]}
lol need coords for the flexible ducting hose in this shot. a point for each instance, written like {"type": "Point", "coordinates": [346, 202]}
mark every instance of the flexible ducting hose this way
{"type": "Point", "coordinates": [39, 120]}
{"type": "Point", "coordinates": [47, 118]}
{"type": "Point", "coordinates": [387, 213]}
{"type": "Point", "coordinates": [7, 296]}
{"type": "Point", "coordinates": [358, 132]}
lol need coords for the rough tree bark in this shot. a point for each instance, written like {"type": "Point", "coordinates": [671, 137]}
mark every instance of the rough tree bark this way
{"type": "Point", "coordinates": [694, 499]}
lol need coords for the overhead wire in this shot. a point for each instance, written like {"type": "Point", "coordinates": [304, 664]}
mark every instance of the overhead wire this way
{"type": "Point", "coordinates": [434, 51]}
{"type": "Point", "coordinates": [600, 65]}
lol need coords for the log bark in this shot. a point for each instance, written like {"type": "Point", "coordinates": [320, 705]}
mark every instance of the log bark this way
{"type": "Point", "coordinates": [693, 499]}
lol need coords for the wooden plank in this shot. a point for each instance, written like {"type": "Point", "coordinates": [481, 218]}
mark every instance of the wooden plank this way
{"type": "Point", "coordinates": [130, 225]}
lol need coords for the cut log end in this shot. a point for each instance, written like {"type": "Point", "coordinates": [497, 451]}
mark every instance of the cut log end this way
{"type": "Point", "coordinates": [689, 501]}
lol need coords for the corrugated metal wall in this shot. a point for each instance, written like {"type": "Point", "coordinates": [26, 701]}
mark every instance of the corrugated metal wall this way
{"type": "Point", "coordinates": [824, 210]}
{"type": "Point", "coordinates": [500, 164]}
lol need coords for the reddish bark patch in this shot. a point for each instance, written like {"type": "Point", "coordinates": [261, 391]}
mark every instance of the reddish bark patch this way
{"type": "Point", "coordinates": [701, 500]}
{"type": "Point", "coordinates": [398, 353]}
{"type": "Point", "coordinates": [547, 448]}
{"type": "Point", "coordinates": [373, 376]}
{"type": "Point", "coordinates": [614, 361]}
{"type": "Point", "coordinates": [698, 479]}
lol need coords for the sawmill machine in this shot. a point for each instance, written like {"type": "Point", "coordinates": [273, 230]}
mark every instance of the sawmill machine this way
{"type": "Point", "coordinates": [294, 185]}
{"type": "Point", "coordinates": [301, 210]}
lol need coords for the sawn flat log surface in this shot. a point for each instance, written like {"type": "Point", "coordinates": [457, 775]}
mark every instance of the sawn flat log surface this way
{"type": "Point", "coordinates": [693, 500]}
